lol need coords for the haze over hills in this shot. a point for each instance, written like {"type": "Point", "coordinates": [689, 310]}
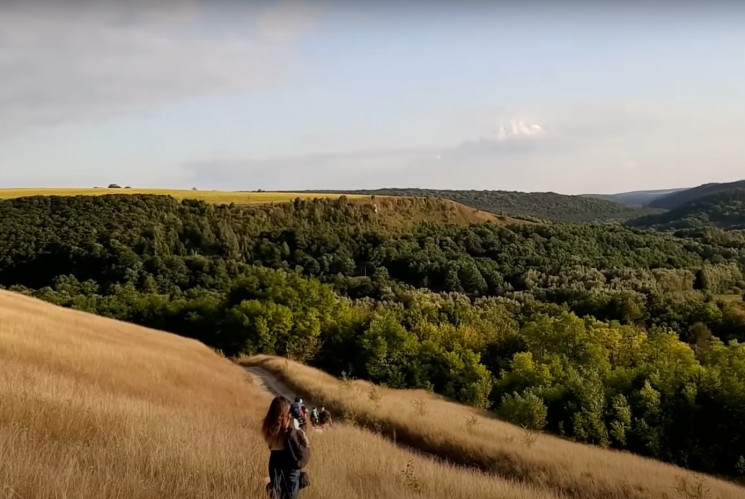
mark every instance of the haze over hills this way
{"type": "Point", "coordinates": [681, 197]}
{"type": "Point", "coordinates": [724, 209]}
{"type": "Point", "coordinates": [636, 198]}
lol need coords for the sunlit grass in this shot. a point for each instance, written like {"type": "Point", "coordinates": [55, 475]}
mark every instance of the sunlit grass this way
{"type": "Point", "coordinates": [473, 437]}
{"type": "Point", "coordinates": [217, 197]}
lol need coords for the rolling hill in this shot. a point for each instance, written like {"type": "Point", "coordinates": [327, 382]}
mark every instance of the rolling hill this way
{"type": "Point", "coordinates": [536, 205]}
{"type": "Point", "coordinates": [384, 211]}
{"type": "Point", "coordinates": [95, 408]}
{"type": "Point", "coordinates": [680, 198]}
{"type": "Point", "coordinates": [477, 439]}
{"type": "Point", "coordinates": [725, 209]}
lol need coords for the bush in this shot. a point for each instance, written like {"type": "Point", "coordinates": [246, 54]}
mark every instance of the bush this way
{"type": "Point", "coordinates": [526, 410]}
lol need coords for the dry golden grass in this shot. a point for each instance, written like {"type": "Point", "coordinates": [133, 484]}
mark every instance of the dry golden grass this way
{"type": "Point", "coordinates": [472, 437]}
{"type": "Point", "coordinates": [95, 408]}
{"type": "Point", "coordinates": [217, 197]}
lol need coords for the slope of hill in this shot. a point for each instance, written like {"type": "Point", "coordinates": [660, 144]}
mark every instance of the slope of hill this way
{"type": "Point", "coordinates": [540, 205]}
{"type": "Point", "coordinates": [680, 198]}
{"type": "Point", "coordinates": [475, 438]}
{"type": "Point", "coordinates": [95, 408]}
{"type": "Point", "coordinates": [636, 198]}
{"type": "Point", "coordinates": [724, 209]}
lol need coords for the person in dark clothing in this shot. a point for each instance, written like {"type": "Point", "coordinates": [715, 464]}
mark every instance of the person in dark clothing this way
{"type": "Point", "coordinates": [296, 411]}
{"type": "Point", "coordinates": [324, 418]}
{"type": "Point", "coordinates": [278, 432]}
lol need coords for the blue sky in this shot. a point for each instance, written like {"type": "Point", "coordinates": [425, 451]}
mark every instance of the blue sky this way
{"type": "Point", "coordinates": [531, 96]}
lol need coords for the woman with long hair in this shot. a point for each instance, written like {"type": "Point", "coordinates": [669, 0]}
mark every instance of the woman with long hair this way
{"type": "Point", "coordinates": [280, 434]}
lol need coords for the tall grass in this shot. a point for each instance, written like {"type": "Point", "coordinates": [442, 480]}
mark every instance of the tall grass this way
{"type": "Point", "coordinates": [474, 438]}
{"type": "Point", "coordinates": [95, 408]}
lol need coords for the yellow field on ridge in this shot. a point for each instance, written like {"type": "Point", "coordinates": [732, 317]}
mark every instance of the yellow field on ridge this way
{"type": "Point", "coordinates": [217, 197]}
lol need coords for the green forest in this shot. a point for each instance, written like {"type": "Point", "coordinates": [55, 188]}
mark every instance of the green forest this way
{"type": "Point", "coordinates": [618, 336]}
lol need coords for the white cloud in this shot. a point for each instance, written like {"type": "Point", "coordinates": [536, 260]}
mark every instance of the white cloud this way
{"type": "Point", "coordinates": [517, 129]}
{"type": "Point", "coordinates": [86, 60]}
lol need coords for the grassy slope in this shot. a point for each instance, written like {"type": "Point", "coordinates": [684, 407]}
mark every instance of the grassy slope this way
{"type": "Point", "coordinates": [95, 408]}
{"type": "Point", "coordinates": [431, 423]}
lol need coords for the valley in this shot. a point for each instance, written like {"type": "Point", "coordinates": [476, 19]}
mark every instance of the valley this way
{"type": "Point", "coordinates": [590, 338]}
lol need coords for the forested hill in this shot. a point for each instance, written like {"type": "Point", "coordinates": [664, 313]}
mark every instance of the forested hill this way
{"type": "Point", "coordinates": [636, 198]}
{"type": "Point", "coordinates": [724, 209]}
{"type": "Point", "coordinates": [680, 198]}
{"type": "Point", "coordinates": [600, 332]}
{"type": "Point", "coordinates": [538, 205]}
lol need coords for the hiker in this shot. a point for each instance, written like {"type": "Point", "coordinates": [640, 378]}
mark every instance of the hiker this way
{"type": "Point", "coordinates": [290, 451]}
{"type": "Point", "coordinates": [296, 411]}
{"type": "Point", "coordinates": [324, 418]}
{"type": "Point", "coordinates": [315, 419]}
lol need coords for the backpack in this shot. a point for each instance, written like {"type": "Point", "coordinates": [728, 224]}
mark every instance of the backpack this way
{"type": "Point", "coordinates": [298, 452]}
{"type": "Point", "coordinates": [295, 411]}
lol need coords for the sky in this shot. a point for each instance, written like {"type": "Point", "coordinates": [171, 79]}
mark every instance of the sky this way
{"type": "Point", "coordinates": [566, 96]}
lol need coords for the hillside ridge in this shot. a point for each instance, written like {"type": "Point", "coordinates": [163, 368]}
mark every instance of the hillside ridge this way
{"type": "Point", "coordinates": [474, 438]}
{"type": "Point", "coordinates": [680, 198]}
{"type": "Point", "coordinates": [96, 408]}
{"type": "Point", "coordinates": [535, 205]}
{"type": "Point", "coordinates": [724, 209]}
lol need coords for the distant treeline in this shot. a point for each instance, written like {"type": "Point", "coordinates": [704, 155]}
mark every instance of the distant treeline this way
{"type": "Point", "coordinates": [603, 333]}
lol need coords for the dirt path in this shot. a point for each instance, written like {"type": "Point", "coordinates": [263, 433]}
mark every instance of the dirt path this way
{"type": "Point", "coordinates": [270, 383]}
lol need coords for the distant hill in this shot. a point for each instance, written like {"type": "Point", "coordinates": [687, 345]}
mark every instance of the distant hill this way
{"type": "Point", "coordinates": [722, 209]}
{"type": "Point", "coordinates": [537, 205]}
{"type": "Point", "coordinates": [392, 212]}
{"type": "Point", "coordinates": [636, 198]}
{"type": "Point", "coordinates": [680, 198]}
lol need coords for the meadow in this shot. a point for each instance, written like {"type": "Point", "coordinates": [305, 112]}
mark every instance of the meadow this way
{"type": "Point", "coordinates": [476, 439]}
{"type": "Point", "coordinates": [96, 408]}
{"type": "Point", "coordinates": [216, 197]}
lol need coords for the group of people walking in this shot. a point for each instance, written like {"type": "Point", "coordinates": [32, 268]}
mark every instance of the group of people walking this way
{"type": "Point", "coordinates": [283, 431]}
{"type": "Point", "coordinates": [318, 418]}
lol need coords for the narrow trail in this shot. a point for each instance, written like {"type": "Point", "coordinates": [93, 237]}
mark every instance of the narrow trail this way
{"type": "Point", "coordinates": [268, 382]}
